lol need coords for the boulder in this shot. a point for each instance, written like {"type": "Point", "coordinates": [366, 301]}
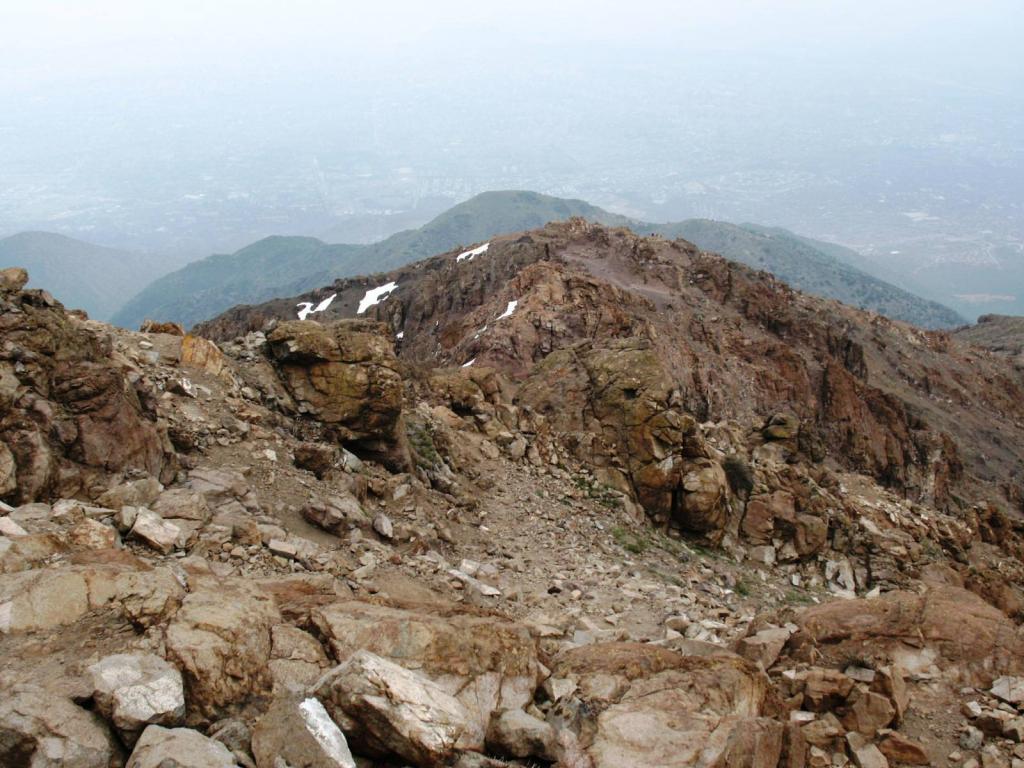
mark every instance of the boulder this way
{"type": "Point", "coordinates": [13, 279]}
{"type": "Point", "coordinates": [781, 426]}
{"type": "Point", "coordinates": [647, 707]}
{"type": "Point", "coordinates": [487, 663]}
{"type": "Point", "coordinates": [8, 471]}
{"type": "Point", "coordinates": [1009, 689]}
{"type": "Point", "coordinates": [516, 733]}
{"type": "Point", "coordinates": [160, 747]}
{"type": "Point", "coordinates": [92, 534]}
{"type": "Point", "coordinates": [44, 599]}
{"type": "Point", "coordinates": [297, 659]}
{"type": "Point", "coordinates": [137, 493]}
{"type": "Point", "coordinates": [155, 532]}
{"type": "Point", "coordinates": [39, 729]}
{"type": "Point", "coordinates": [301, 733]}
{"type": "Point", "coordinates": [900, 749]}
{"type": "Point", "coordinates": [335, 513]}
{"type": "Point", "coordinates": [182, 504]}
{"type": "Point", "coordinates": [347, 376]}
{"type": "Point", "coordinates": [945, 626]}
{"type": "Point", "coordinates": [390, 711]}
{"type": "Point", "coordinates": [218, 486]}
{"type": "Point", "coordinates": [865, 754]}
{"type": "Point", "coordinates": [868, 713]}
{"type": "Point", "coordinates": [202, 354]}
{"type": "Point", "coordinates": [220, 640]}
{"type": "Point", "coordinates": [764, 646]}
{"type": "Point", "coordinates": [133, 690]}
{"type": "Point", "coordinates": [317, 458]}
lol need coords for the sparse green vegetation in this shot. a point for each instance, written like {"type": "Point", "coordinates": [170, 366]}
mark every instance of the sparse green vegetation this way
{"type": "Point", "coordinates": [421, 439]}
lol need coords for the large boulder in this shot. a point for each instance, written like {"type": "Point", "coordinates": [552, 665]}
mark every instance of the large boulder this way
{"type": "Point", "coordinates": [133, 690]}
{"type": "Point", "coordinates": [487, 663]}
{"type": "Point", "coordinates": [347, 376]}
{"type": "Point", "coordinates": [179, 747]}
{"type": "Point", "coordinates": [946, 628]}
{"type": "Point", "coordinates": [44, 599]}
{"type": "Point", "coordinates": [69, 416]}
{"type": "Point", "coordinates": [649, 707]}
{"type": "Point", "coordinates": [301, 733]}
{"type": "Point", "coordinates": [391, 711]}
{"type": "Point", "coordinates": [220, 639]}
{"type": "Point", "coordinates": [626, 417]}
{"type": "Point", "coordinates": [39, 729]}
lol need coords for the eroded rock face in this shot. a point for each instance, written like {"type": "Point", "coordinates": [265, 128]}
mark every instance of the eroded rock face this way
{"type": "Point", "coordinates": [945, 626]}
{"type": "Point", "coordinates": [346, 375]}
{"type": "Point", "coordinates": [220, 639]}
{"type": "Point", "coordinates": [658, 708]}
{"type": "Point", "coordinates": [42, 730]}
{"type": "Point", "coordinates": [68, 413]}
{"type": "Point", "coordinates": [389, 710]}
{"type": "Point", "coordinates": [43, 599]}
{"type": "Point", "coordinates": [488, 664]}
{"type": "Point", "coordinates": [619, 404]}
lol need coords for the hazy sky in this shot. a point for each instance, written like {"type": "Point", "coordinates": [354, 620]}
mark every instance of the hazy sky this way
{"type": "Point", "coordinates": [69, 39]}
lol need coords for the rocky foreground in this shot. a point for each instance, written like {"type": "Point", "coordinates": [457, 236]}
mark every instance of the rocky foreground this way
{"type": "Point", "coordinates": [316, 544]}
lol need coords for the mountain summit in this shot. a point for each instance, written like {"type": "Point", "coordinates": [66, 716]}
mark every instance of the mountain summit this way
{"type": "Point", "coordinates": [282, 266]}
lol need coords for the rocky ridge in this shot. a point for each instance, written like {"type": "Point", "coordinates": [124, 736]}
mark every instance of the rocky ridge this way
{"type": "Point", "coordinates": [611, 540]}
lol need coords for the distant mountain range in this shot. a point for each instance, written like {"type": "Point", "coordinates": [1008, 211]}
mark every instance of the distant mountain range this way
{"type": "Point", "coordinates": [286, 266]}
{"type": "Point", "coordinates": [79, 274]}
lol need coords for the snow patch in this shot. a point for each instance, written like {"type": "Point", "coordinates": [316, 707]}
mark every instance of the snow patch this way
{"type": "Point", "coordinates": [508, 310]}
{"type": "Point", "coordinates": [400, 335]}
{"type": "Point", "coordinates": [466, 365]}
{"type": "Point", "coordinates": [308, 309]}
{"type": "Point", "coordinates": [471, 254]}
{"type": "Point", "coordinates": [375, 296]}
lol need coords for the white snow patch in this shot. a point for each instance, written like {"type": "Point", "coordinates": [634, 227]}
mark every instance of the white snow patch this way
{"type": "Point", "coordinates": [308, 309]}
{"type": "Point", "coordinates": [471, 254]}
{"type": "Point", "coordinates": [508, 310]}
{"type": "Point", "coordinates": [327, 734]}
{"type": "Point", "coordinates": [400, 335]}
{"type": "Point", "coordinates": [466, 365]}
{"type": "Point", "coordinates": [375, 296]}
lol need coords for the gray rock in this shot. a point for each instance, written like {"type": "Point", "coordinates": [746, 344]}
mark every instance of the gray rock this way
{"type": "Point", "coordinates": [300, 732]}
{"type": "Point", "coordinates": [134, 690]}
{"type": "Point", "coordinates": [41, 730]}
{"type": "Point", "coordinates": [392, 710]}
{"type": "Point", "coordinates": [179, 747]}
{"type": "Point", "coordinates": [382, 525]}
{"type": "Point", "coordinates": [154, 531]}
{"type": "Point", "coordinates": [183, 503]}
{"type": "Point", "coordinates": [518, 734]}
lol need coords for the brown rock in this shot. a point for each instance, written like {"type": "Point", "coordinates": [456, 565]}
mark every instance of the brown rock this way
{"type": "Point", "coordinates": [13, 279]}
{"type": "Point", "coordinates": [346, 375]}
{"type": "Point", "coordinates": [204, 355]}
{"type": "Point", "coordinates": [900, 749]}
{"type": "Point", "coordinates": [868, 713]}
{"type": "Point", "coordinates": [39, 729]}
{"type": "Point", "coordinates": [488, 664]}
{"type": "Point", "coordinates": [220, 640]}
{"type": "Point", "coordinates": [944, 625]}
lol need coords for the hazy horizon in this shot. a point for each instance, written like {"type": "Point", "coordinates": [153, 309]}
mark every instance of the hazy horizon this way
{"type": "Point", "coordinates": [194, 128]}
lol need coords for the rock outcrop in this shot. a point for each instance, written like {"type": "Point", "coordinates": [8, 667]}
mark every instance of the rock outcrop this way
{"type": "Point", "coordinates": [69, 413]}
{"type": "Point", "coordinates": [346, 376]}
